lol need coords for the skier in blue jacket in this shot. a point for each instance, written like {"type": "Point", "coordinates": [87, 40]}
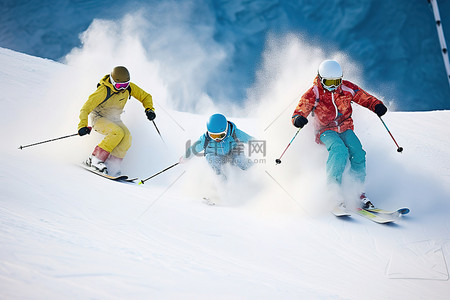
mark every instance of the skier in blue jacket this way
{"type": "Point", "coordinates": [222, 143]}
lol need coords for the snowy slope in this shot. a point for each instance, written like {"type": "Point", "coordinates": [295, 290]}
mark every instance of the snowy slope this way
{"type": "Point", "coordinates": [69, 234]}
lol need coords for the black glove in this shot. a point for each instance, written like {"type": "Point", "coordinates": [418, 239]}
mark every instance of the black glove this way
{"type": "Point", "coordinates": [150, 114]}
{"type": "Point", "coordinates": [380, 109]}
{"type": "Point", "coordinates": [84, 130]}
{"type": "Point", "coordinates": [300, 121]}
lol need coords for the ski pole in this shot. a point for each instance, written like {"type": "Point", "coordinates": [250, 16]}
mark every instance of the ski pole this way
{"type": "Point", "coordinates": [63, 137]}
{"type": "Point", "coordinates": [144, 180]}
{"type": "Point", "coordinates": [158, 131]}
{"type": "Point", "coordinates": [278, 160]}
{"type": "Point", "coordinates": [399, 149]}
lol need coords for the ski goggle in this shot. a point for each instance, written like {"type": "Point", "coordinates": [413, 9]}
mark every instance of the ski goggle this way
{"type": "Point", "coordinates": [331, 83]}
{"type": "Point", "coordinates": [119, 85]}
{"type": "Point", "coordinates": [217, 136]}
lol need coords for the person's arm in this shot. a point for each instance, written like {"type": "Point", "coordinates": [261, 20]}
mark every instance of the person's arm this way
{"type": "Point", "coordinates": [242, 136]}
{"type": "Point", "coordinates": [304, 108]}
{"type": "Point", "coordinates": [142, 96]}
{"type": "Point", "coordinates": [93, 101]}
{"type": "Point", "coordinates": [367, 100]}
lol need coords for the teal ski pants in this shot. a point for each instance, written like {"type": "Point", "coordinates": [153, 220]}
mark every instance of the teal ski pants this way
{"type": "Point", "coordinates": [343, 147]}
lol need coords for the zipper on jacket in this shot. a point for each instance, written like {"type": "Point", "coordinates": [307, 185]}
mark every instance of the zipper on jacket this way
{"type": "Point", "coordinates": [335, 106]}
{"type": "Point", "coordinates": [337, 113]}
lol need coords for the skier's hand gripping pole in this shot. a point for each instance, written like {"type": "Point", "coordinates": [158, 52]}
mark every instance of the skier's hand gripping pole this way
{"type": "Point", "coordinates": [399, 149]}
{"type": "Point", "coordinates": [144, 180]}
{"type": "Point", "coordinates": [278, 160]}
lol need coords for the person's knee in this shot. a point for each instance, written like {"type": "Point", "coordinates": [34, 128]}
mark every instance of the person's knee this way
{"type": "Point", "coordinates": [242, 162]}
{"type": "Point", "coordinates": [126, 141]}
{"type": "Point", "coordinates": [339, 151]}
{"type": "Point", "coordinates": [359, 156]}
{"type": "Point", "coordinates": [215, 162]}
{"type": "Point", "coordinates": [118, 132]}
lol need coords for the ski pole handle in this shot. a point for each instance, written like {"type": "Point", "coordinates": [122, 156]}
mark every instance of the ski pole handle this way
{"type": "Point", "coordinates": [399, 149]}
{"type": "Point", "coordinates": [63, 137]}
{"type": "Point", "coordinates": [278, 160]}
{"type": "Point", "coordinates": [144, 180]}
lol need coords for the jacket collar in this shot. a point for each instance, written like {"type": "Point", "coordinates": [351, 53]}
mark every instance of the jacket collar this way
{"type": "Point", "coordinates": [105, 81]}
{"type": "Point", "coordinates": [319, 85]}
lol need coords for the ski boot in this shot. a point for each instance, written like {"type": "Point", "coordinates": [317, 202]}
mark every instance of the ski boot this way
{"type": "Point", "coordinates": [113, 164]}
{"type": "Point", "coordinates": [97, 164]}
{"type": "Point", "coordinates": [365, 202]}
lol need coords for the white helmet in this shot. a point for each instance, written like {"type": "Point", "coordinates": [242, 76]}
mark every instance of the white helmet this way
{"type": "Point", "coordinates": [330, 74]}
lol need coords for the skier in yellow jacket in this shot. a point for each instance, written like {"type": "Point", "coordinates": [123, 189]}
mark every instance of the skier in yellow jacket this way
{"type": "Point", "coordinates": [105, 106]}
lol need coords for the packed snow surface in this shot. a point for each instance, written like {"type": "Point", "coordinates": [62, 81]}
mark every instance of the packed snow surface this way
{"type": "Point", "coordinates": [68, 234]}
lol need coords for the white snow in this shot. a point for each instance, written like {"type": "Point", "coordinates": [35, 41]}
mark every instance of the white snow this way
{"type": "Point", "coordinates": [68, 234]}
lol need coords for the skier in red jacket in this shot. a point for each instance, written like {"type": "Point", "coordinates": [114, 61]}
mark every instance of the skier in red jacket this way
{"type": "Point", "coordinates": [329, 101]}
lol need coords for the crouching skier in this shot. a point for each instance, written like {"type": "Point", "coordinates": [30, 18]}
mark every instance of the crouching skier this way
{"type": "Point", "coordinates": [105, 106]}
{"type": "Point", "coordinates": [221, 144]}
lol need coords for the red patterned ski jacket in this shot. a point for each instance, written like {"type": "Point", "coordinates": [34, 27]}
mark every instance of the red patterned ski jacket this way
{"type": "Point", "coordinates": [333, 110]}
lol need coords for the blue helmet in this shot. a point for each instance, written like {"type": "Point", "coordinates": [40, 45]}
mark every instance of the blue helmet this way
{"type": "Point", "coordinates": [217, 123]}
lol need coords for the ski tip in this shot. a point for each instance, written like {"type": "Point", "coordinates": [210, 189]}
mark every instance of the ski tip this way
{"type": "Point", "coordinates": [403, 211]}
{"type": "Point", "coordinates": [342, 215]}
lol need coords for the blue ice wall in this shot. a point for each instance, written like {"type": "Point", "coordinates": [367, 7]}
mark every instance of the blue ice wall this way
{"type": "Point", "coordinates": [395, 42]}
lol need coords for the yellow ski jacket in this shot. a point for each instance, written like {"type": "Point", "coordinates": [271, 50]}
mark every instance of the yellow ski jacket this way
{"type": "Point", "coordinates": [112, 107]}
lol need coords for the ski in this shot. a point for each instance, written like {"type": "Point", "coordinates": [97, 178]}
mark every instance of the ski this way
{"type": "Point", "coordinates": [377, 218]}
{"type": "Point", "coordinates": [340, 211]}
{"type": "Point", "coordinates": [397, 213]}
{"type": "Point", "coordinates": [122, 178]}
{"type": "Point", "coordinates": [376, 215]}
{"type": "Point", "coordinates": [380, 218]}
{"type": "Point", "coordinates": [208, 201]}
{"type": "Point", "coordinates": [131, 179]}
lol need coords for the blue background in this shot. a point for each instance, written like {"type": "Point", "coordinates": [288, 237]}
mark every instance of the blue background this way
{"type": "Point", "coordinates": [394, 41]}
